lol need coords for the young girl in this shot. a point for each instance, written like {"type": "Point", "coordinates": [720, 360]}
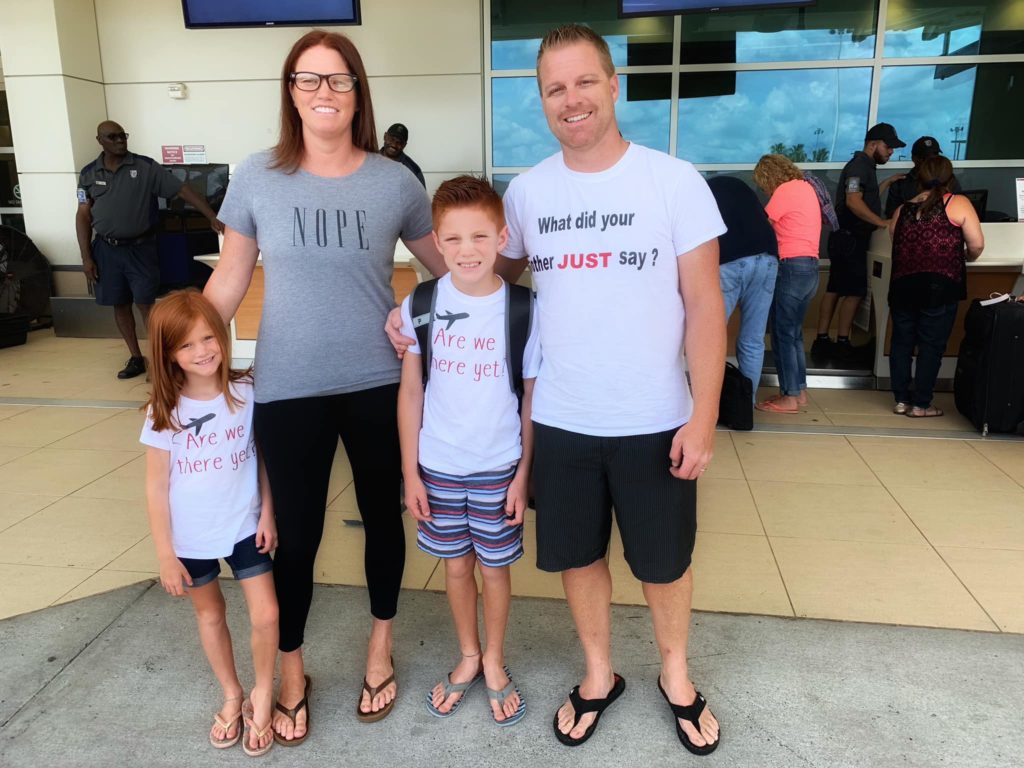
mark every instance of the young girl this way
{"type": "Point", "coordinates": [208, 497]}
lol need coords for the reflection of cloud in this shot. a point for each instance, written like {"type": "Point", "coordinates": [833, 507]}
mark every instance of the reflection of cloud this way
{"type": "Point", "coordinates": [919, 105]}
{"type": "Point", "coordinates": [777, 107]}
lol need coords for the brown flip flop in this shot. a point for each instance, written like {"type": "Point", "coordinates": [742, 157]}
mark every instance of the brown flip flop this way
{"type": "Point", "coordinates": [373, 717]}
{"type": "Point", "coordinates": [291, 713]}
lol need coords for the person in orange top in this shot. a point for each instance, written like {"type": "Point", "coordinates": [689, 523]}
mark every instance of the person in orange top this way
{"type": "Point", "coordinates": [795, 215]}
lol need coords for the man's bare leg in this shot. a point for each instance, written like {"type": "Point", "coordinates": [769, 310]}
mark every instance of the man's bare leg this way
{"type": "Point", "coordinates": [847, 311]}
{"type": "Point", "coordinates": [588, 591]}
{"type": "Point", "coordinates": [126, 325]}
{"type": "Point", "coordinates": [826, 309]}
{"type": "Point", "coordinates": [670, 613]}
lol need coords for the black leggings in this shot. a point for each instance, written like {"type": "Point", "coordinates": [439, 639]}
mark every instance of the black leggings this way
{"type": "Point", "coordinates": [298, 439]}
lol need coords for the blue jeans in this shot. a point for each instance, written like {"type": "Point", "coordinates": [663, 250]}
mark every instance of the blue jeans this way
{"type": "Point", "coordinates": [929, 329]}
{"type": "Point", "coordinates": [795, 286]}
{"type": "Point", "coordinates": [749, 283]}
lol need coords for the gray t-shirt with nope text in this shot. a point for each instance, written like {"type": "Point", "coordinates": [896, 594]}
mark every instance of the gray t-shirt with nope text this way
{"type": "Point", "coordinates": [328, 249]}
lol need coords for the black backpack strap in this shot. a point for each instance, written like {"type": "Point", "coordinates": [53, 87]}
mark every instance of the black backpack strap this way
{"type": "Point", "coordinates": [518, 321]}
{"type": "Point", "coordinates": [421, 308]}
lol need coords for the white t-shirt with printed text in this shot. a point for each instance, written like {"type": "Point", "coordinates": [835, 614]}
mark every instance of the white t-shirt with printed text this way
{"type": "Point", "coordinates": [602, 249]}
{"type": "Point", "coordinates": [214, 477]}
{"type": "Point", "coordinates": [471, 417]}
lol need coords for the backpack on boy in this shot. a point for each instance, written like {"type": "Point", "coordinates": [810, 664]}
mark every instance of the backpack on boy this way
{"type": "Point", "coordinates": [518, 319]}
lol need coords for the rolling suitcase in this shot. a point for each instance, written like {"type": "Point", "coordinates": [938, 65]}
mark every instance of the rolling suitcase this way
{"type": "Point", "coordinates": [989, 383]}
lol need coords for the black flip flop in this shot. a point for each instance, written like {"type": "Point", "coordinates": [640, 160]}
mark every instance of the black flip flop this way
{"type": "Point", "coordinates": [291, 713]}
{"type": "Point", "coordinates": [691, 714]}
{"type": "Point", "coordinates": [581, 706]}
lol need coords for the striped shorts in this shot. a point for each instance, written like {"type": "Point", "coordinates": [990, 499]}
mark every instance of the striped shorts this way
{"type": "Point", "coordinates": [468, 514]}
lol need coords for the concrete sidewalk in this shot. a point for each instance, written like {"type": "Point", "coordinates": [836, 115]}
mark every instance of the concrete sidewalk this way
{"type": "Point", "coordinates": [119, 680]}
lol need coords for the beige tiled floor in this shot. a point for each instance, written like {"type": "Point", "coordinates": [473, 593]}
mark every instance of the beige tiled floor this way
{"type": "Point", "coordinates": [840, 520]}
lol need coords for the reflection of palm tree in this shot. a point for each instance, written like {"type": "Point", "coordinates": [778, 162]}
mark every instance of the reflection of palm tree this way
{"type": "Point", "coordinates": [778, 149]}
{"type": "Point", "coordinates": [820, 155]}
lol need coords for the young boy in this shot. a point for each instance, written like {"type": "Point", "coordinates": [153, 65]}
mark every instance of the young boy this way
{"type": "Point", "coordinates": [466, 441]}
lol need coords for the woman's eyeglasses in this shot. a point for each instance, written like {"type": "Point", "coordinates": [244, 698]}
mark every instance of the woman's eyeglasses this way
{"type": "Point", "coordinates": [340, 82]}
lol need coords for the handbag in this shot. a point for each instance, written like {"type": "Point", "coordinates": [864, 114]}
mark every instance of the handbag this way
{"type": "Point", "coordinates": [736, 405]}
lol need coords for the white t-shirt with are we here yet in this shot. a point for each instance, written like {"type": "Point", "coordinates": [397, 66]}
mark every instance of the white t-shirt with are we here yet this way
{"type": "Point", "coordinates": [471, 417]}
{"type": "Point", "coordinates": [603, 249]}
{"type": "Point", "coordinates": [214, 477]}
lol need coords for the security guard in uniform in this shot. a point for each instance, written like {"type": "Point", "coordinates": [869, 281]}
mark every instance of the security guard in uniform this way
{"type": "Point", "coordinates": [117, 201]}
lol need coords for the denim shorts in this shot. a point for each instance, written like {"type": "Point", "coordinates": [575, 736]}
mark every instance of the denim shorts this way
{"type": "Point", "coordinates": [245, 561]}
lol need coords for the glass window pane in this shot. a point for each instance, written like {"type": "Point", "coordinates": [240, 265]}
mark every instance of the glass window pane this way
{"type": "Point", "coordinates": [975, 111]}
{"type": "Point", "coordinates": [10, 192]}
{"type": "Point", "coordinates": [812, 115]}
{"type": "Point", "coordinates": [5, 122]}
{"type": "Point", "coordinates": [953, 27]}
{"type": "Point", "coordinates": [828, 30]}
{"type": "Point", "coordinates": [517, 27]}
{"type": "Point", "coordinates": [520, 132]}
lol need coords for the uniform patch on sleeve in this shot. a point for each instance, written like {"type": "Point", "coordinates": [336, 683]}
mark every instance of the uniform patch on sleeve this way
{"type": "Point", "coordinates": [82, 197]}
{"type": "Point", "coordinates": [853, 184]}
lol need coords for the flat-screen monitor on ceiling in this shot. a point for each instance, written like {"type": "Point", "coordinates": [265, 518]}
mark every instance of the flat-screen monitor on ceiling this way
{"type": "Point", "coordinates": [631, 8]}
{"type": "Point", "coordinates": [201, 14]}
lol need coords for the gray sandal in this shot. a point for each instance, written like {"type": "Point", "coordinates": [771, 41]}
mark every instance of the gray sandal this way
{"type": "Point", "coordinates": [449, 689]}
{"type": "Point", "coordinates": [504, 693]}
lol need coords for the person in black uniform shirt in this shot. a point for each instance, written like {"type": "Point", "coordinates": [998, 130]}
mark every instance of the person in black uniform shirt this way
{"type": "Point", "coordinates": [395, 139]}
{"type": "Point", "coordinates": [117, 202]}
{"type": "Point", "coordinates": [859, 208]}
{"type": "Point", "coordinates": [905, 187]}
{"type": "Point", "coordinates": [748, 258]}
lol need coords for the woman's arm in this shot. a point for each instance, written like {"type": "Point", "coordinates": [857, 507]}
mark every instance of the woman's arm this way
{"type": "Point", "coordinates": [961, 212]}
{"type": "Point", "coordinates": [230, 280]}
{"type": "Point", "coordinates": [425, 250]}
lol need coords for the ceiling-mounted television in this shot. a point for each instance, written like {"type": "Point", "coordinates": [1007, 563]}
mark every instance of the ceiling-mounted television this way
{"type": "Point", "coordinates": [204, 14]}
{"type": "Point", "coordinates": [633, 8]}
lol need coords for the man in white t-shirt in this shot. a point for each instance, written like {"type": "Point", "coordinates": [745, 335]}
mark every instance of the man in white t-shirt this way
{"type": "Point", "coordinates": [622, 244]}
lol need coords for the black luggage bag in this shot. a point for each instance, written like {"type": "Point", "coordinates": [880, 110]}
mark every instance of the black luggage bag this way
{"type": "Point", "coordinates": [13, 329]}
{"type": "Point", "coordinates": [989, 383]}
{"type": "Point", "coordinates": [736, 404]}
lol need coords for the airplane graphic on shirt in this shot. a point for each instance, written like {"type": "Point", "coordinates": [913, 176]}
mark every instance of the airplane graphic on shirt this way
{"type": "Point", "coordinates": [451, 318]}
{"type": "Point", "coordinates": [198, 423]}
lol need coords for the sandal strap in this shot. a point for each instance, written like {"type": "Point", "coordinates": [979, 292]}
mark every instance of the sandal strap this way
{"type": "Point", "coordinates": [504, 693]}
{"type": "Point", "coordinates": [581, 706]}
{"type": "Point", "coordinates": [449, 686]}
{"type": "Point", "coordinates": [373, 691]}
{"type": "Point", "coordinates": [690, 712]}
{"type": "Point", "coordinates": [292, 712]}
{"type": "Point", "coordinates": [227, 725]}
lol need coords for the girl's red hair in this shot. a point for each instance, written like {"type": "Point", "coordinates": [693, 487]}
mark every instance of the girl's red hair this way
{"type": "Point", "coordinates": [170, 322]}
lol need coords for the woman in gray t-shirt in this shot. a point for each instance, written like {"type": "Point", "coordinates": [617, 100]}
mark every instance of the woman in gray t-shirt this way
{"type": "Point", "coordinates": [324, 211]}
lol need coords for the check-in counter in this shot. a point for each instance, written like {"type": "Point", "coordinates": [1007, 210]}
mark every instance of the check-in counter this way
{"type": "Point", "coordinates": [998, 270]}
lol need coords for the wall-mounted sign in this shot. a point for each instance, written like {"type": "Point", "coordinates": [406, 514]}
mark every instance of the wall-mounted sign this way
{"type": "Point", "coordinates": [172, 154]}
{"type": "Point", "coordinates": [1020, 199]}
{"type": "Point", "coordinates": [195, 153]}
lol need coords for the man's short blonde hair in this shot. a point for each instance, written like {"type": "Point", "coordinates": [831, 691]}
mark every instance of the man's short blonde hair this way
{"type": "Point", "coordinates": [568, 34]}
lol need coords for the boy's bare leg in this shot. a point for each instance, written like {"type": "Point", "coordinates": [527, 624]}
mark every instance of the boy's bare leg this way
{"type": "Point", "coordinates": [262, 603]}
{"type": "Point", "coordinates": [460, 584]}
{"type": "Point", "coordinates": [670, 613]}
{"type": "Point", "coordinates": [497, 599]}
{"type": "Point", "coordinates": [588, 591]}
{"type": "Point", "coordinates": [208, 603]}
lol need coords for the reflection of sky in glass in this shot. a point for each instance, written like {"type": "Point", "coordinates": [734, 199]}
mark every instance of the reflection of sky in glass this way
{"type": "Point", "coordinates": [802, 45]}
{"type": "Point", "coordinates": [520, 132]}
{"type": "Point", "coordinates": [919, 105]}
{"type": "Point", "coordinates": [522, 54]}
{"type": "Point", "coordinates": [912, 42]}
{"type": "Point", "coordinates": [778, 107]}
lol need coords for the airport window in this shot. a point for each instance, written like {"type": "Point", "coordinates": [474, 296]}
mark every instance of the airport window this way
{"type": "Point", "coordinates": [721, 89]}
{"type": "Point", "coordinates": [812, 115]}
{"type": "Point", "coordinates": [828, 30]}
{"type": "Point", "coordinates": [919, 28]}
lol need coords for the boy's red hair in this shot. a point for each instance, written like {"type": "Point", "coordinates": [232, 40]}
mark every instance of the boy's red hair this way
{"type": "Point", "coordinates": [467, 192]}
{"type": "Point", "coordinates": [170, 322]}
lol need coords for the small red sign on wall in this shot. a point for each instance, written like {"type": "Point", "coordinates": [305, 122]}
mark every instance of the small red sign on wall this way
{"type": "Point", "coordinates": [173, 154]}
